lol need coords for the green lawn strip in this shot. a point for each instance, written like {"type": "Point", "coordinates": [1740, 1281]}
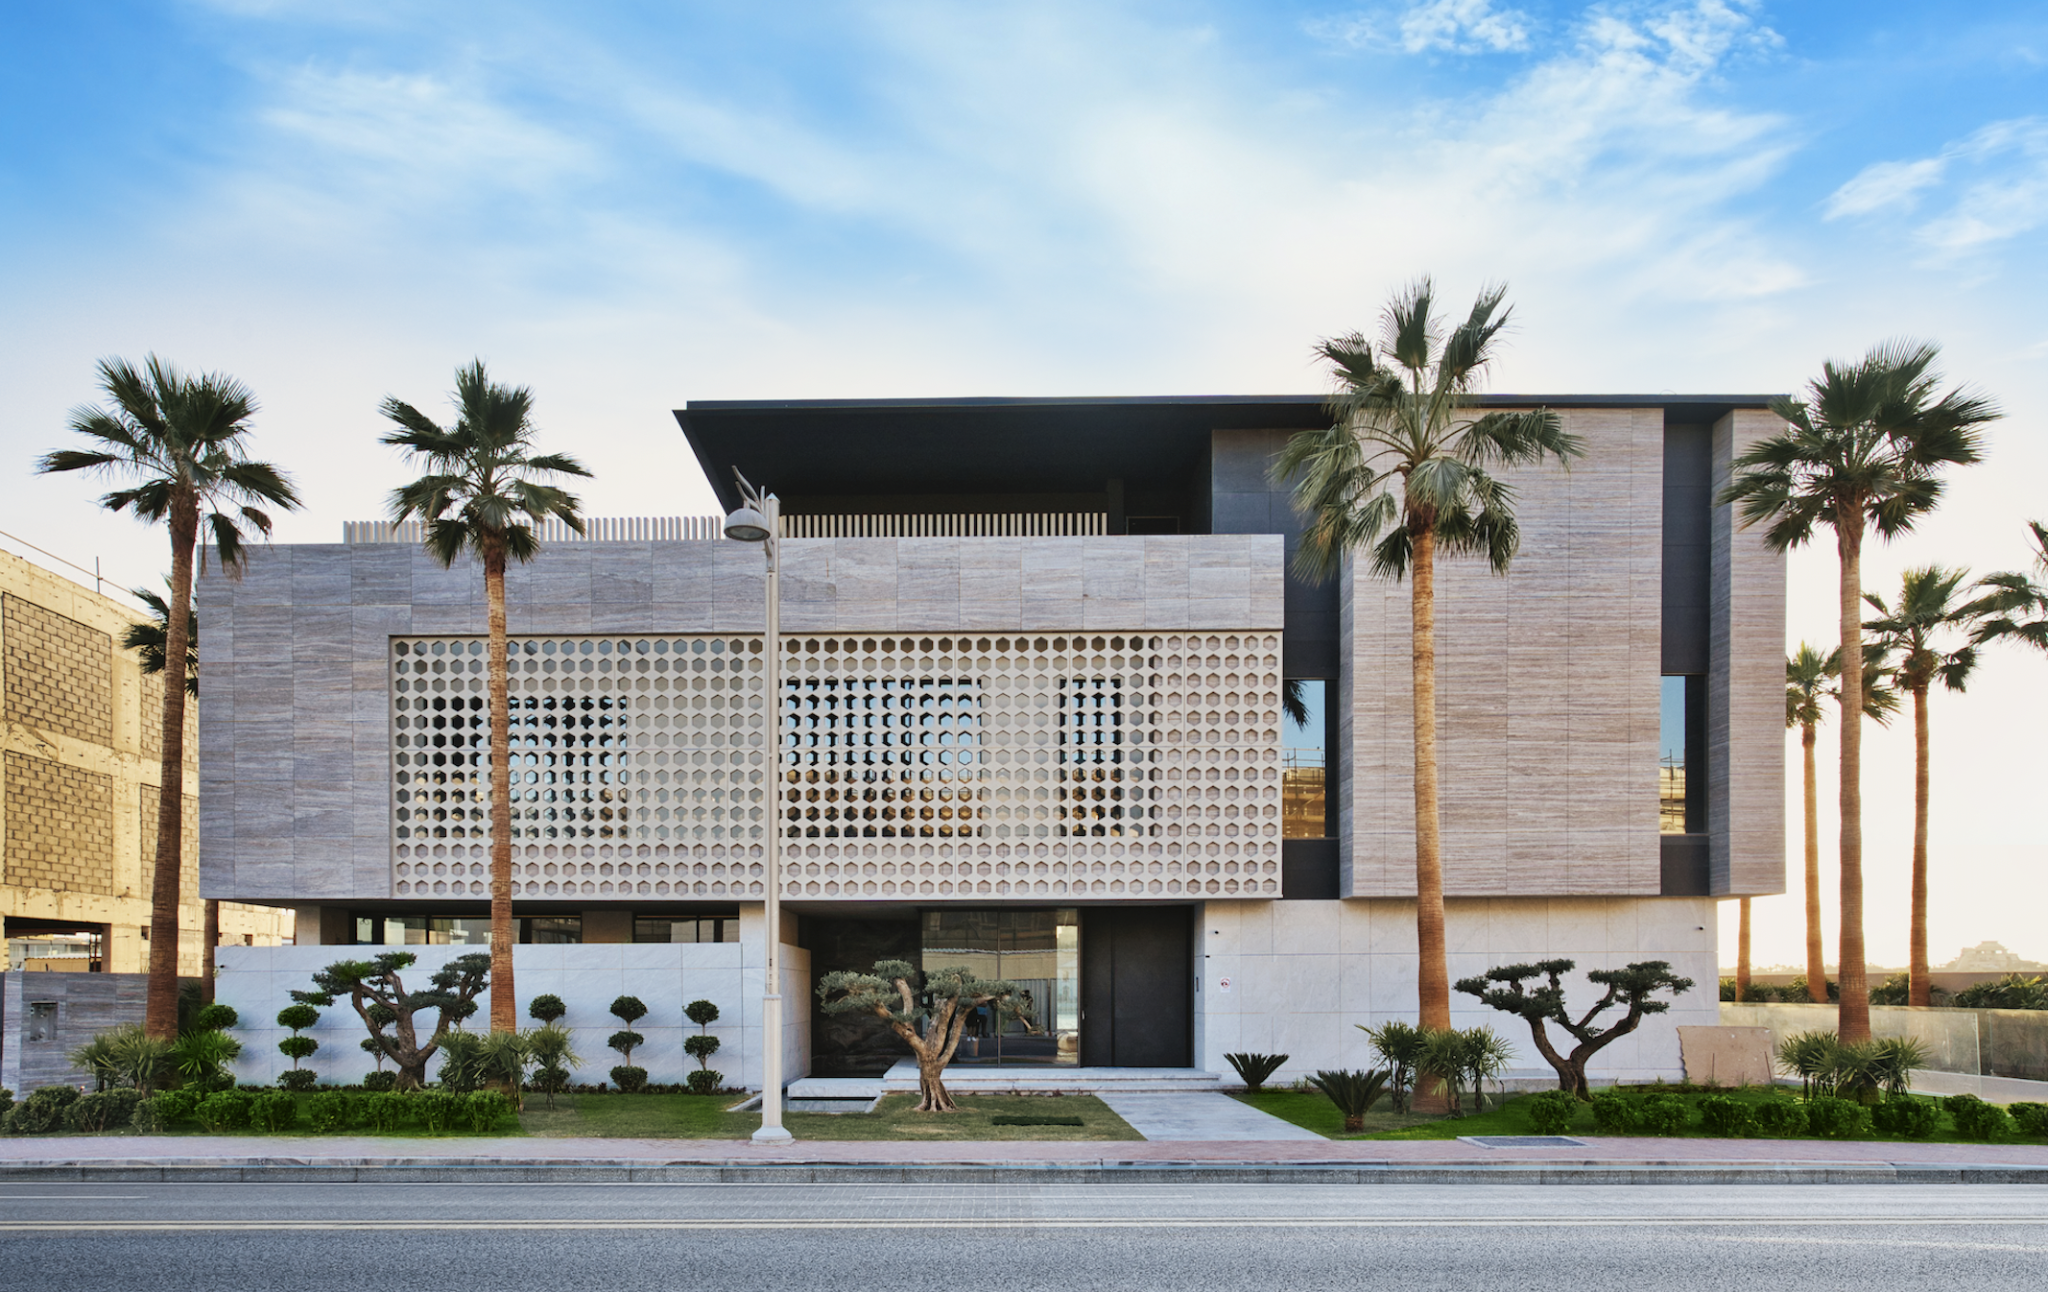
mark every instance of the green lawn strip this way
{"type": "Point", "coordinates": [616, 1116]}
{"type": "Point", "coordinates": [1313, 1111]}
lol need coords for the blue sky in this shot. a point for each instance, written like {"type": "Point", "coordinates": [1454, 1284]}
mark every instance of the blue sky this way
{"type": "Point", "coordinates": [628, 206]}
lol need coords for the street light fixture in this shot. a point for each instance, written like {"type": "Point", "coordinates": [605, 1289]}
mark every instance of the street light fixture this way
{"type": "Point", "coordinates": [758, 521]}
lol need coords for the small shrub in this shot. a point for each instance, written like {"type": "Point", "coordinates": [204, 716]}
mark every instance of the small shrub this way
{"type": "Point", "coordinates": [438, 1109]}
{"type": "Point", "coordinates": [380, 1080]}
{"type": "Point", "coordinates": [629, 1079]}
{"type": "Point", "coordinates": [1912, 1118]}
{"type": "Point", "coordinates": [1780, 1119]}
{"type": "Point", "coordinates": [331, 1112]}
{"type": "Point", "coordinates": [1354, 1093]}
{"type": "Point", "coordinates": [215, 1018]}
{"type": "Point", "coordinates": [545, 1009]}
{"type": "Point", "coordinates": [1663, 1115]}
{"type": "Point", "coordinates": [42, 1111]}
{"type": "Point", "coordinates": [1976, 1119]}
{"type": "Point", "coordinates": [1551, 1111]}
{"type": "Point", "coordinates": [147, 1119]}
{"type": "Point", "coordinates": [102, 1111]}
{"type": "Point", "coordinates": [1615, 1113]}
{"type": "Point", "coordinates": [463, 1067]}
{"type": "Point", "coordinates": [174, 1106]}
{"type": "Point", "coordinates": [274, 1111]}
{"type": "Point", "coordinates": [484, 1109]}
{"type": "Point", "coordinates": [1726, 1118]}
{"type": "Point", "coordinates": [2030, 1119]}
{"type": "Point", "coordinates": [6, 1101]}
{"type": "Point", "coordinates": [1832, 1118]}
{"type": "Point", "coordinates": [202, 1058]}
{"type": "Point", "coordinates": [224, 1110]}
{"type": "Point", "coordinates": [1253, 1069]}
{"type": "Point", "coordinates": [297, 1079]}
{"type": "Point", "coordinates": [387, 1110]}
{"type": "Point", "coordinates": [704, 1081]}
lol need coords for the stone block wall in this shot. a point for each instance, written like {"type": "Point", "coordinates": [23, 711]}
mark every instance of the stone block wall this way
{"type": "Point", "coordinates": [59, 672]}
{"type": "Point", "coordinates": [60, 826]}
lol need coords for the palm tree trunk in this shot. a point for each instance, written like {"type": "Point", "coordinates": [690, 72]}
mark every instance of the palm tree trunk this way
{"type": "Point", "coordinates": [1854, 1020]}
{"type": "Point", "coordinates": [504, 1004]}
{"type": "Point", "coordinates": [210, 935]}
{"type": "Point", "coordinates": [1432, 977]}
{"type": "Point", "coordinates": [1816, 958]}
{"type": "Point", "coordinates": [1742, 950]}
{"type": "Point", "coordinates": [160, 1001]}
{"type": "Point", "coordinates": [1921, 984]}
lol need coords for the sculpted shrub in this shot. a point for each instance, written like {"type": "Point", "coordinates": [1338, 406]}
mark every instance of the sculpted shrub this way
{"type": "Point", "coordinates": [1663, 1115]}
{"type": "Point", "coordinates": [331, 1112]}
{"type": "Point", "coordinates": [1976, 1119]}
{"type": "Point", "coordinates": [1834, 1118]}
{"type": "Point", "coordinates": [1912, 1118]}
{"type": "Point", "coordinates": [1726, 1118]}
{"type": "Point", "coordinates": [1780, 1119]}
{"type": "Point", "coordinates": [1615, 1113]}
{"type": "Point", "coordinates": [1550, 1112]}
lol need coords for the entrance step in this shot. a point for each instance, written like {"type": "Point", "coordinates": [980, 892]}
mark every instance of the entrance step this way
{"type": "Point", "coordinates": [1050, 1080]}
{"type": "Point", "coordinates": [833, 1094]}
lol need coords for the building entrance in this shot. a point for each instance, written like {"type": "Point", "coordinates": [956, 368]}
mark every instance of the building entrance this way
{"type": "Point", "coordinates": [1040, 951]}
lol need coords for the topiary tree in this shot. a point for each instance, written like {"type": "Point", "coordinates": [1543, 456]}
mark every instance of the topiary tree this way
{"type": "Point", "coordinates": [295, 1047]}
{"type": "Point", "coordinates": [629, 1010]}
{"type": "Point", "coordinates": [546, 1009]}
{"type": "Point", "coordinates": [215, 1018]}
{"type": "Point", "coordinates": [1632, 987]}
{"type": "Point", "coordinates": [702, 1046]}
{"type": "Point", "coordinates": [380, 997]}
{"type": "Point", "coordinates": [927, 1010]}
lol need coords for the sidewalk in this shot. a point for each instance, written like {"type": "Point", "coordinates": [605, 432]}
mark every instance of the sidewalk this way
{"type": "Point", "coordinates": [1594, 1161]}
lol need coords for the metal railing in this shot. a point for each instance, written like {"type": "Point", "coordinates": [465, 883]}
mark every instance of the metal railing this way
{"type": "Point", "coordinates": [692, 529]}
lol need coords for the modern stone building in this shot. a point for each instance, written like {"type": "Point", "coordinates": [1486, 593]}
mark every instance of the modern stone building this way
{"type": "Point", "coordinates": [79, 794]}
{"type": "Point", "coordinates": [1034, 654]}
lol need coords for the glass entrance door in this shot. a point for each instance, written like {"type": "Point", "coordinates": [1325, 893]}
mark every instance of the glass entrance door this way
{"type": "Point", "coordinates": [1039, 951]}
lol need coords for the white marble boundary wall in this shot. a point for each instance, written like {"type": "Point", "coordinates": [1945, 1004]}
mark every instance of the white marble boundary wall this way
{"type": "Point", "coordinates": [258, 982]}
{"type": "Point", "coordinates": [1303, 973]}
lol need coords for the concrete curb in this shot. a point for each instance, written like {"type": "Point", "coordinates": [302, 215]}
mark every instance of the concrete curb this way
{"type": "Point", "coordinates": [484, 1171]}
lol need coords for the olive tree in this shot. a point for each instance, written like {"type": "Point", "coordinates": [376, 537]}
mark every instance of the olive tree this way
{"type": "Point", "coordinates": [1632, 988]}
{"type": "Point", "coordinates": [380, 998]}
{"type": "Point", "coordinates": [927, 1010]}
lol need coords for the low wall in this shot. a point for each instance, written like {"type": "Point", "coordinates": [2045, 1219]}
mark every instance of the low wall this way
{"type": "Point", "coordinates": [258, 982]}
{"type": "Point", "coordinates": [1976, 1042]}
{"type": "Point", "coordinates": [86, 1005]}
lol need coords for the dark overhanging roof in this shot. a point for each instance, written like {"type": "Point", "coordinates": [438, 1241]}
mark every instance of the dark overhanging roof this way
{"type": "Point", "coordinates": [1025, 446]}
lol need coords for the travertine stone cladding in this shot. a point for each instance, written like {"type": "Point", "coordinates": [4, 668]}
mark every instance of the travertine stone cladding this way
{"type": "Point", "coordinates": [1547, 691]}
{"type": "Point", "coordinates": [188, 878]}
{"type": "Point", "coordinates": [1745, 696]}
{"type": "Point", "coordinates": [296, 718]}
{"type": "Point", "coordinates": [60, 826]}
{"type": "Point", "coordinates": [59, 673]}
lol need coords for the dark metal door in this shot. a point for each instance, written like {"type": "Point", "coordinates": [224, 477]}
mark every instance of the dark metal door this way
{"type": "Point", "coordinates": [1137, 987]}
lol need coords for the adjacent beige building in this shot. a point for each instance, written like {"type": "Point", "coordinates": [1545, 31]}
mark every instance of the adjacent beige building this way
{"type": "Point", "coordinates": [78, 791]}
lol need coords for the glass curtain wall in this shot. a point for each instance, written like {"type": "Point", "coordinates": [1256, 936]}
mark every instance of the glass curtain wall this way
{"type": "Point", "coordinates": [1039, 951]}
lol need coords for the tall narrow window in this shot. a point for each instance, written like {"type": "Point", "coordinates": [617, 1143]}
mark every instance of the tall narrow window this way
{"type": "Point", "coordinates": [1304, 738]}
{"type": "Point", "coordinates": [1681, 755]}
{"type": "Point", "coordinates": [1092, 757]}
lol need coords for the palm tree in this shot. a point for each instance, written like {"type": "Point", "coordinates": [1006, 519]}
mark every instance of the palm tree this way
{"type": "Point", "coordinates": [2022, 604]}
{"type": "Point", "coordinates": [146, 637]}
{"type": "Point", "coordinates": [1404, 471]}
{"type": "Point", "coordinates": [1809, 680]}
{"type": "Point", "coordinates": [178, 441]}
{"type": "Point", "coordinates": [478, 496]}
{"type": "Point", "coordinates": [1930, 615]}
{"type": "Point", "coordinates": [1863, 451]}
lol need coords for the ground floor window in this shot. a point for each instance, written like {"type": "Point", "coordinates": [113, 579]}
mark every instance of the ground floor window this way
{"type": "Point", "coordinates": [1038, 950]}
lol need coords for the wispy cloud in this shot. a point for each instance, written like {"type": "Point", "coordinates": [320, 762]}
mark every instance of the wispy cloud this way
{"type": "Point", "coordinates": [1996, 179]}
{"type": "Point", "coordinates": [1446, 26]}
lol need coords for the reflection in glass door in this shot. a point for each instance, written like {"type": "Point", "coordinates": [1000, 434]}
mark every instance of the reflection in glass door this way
{"type": "Point", "coordinates": [1040, 951]}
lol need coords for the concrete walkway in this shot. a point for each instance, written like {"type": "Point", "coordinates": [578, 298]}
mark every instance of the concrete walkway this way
{"type": "Point", "coordinates": [1200, 1116]}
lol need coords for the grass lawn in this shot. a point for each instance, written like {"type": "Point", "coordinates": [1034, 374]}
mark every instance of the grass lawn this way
{"type": "Point", "coordinates": [1313, 1111]}
{"type": "Point", "coordinates": [616, 1116]}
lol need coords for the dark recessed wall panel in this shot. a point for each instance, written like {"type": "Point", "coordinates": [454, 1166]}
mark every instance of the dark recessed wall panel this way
{"type": "Point", "coordinates": [1688, 500]}
{"type": "Point", "coordinates": [1244, 501]}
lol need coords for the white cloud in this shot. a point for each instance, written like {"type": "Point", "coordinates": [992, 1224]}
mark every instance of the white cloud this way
{"type": "Point", "coordinates": [2000, 173]}
{"type": "Point", "coordinates": [1446, 26]}
{"type": "Point", "coordinates": [1885, 184]}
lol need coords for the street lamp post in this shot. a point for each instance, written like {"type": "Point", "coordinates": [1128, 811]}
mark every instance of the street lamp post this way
{"type": "Point", "coordinates": [758, 520]}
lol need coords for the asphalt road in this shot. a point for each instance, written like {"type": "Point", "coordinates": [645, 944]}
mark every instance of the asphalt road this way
{"type": "Point", "coordinates": [965, 1238]}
